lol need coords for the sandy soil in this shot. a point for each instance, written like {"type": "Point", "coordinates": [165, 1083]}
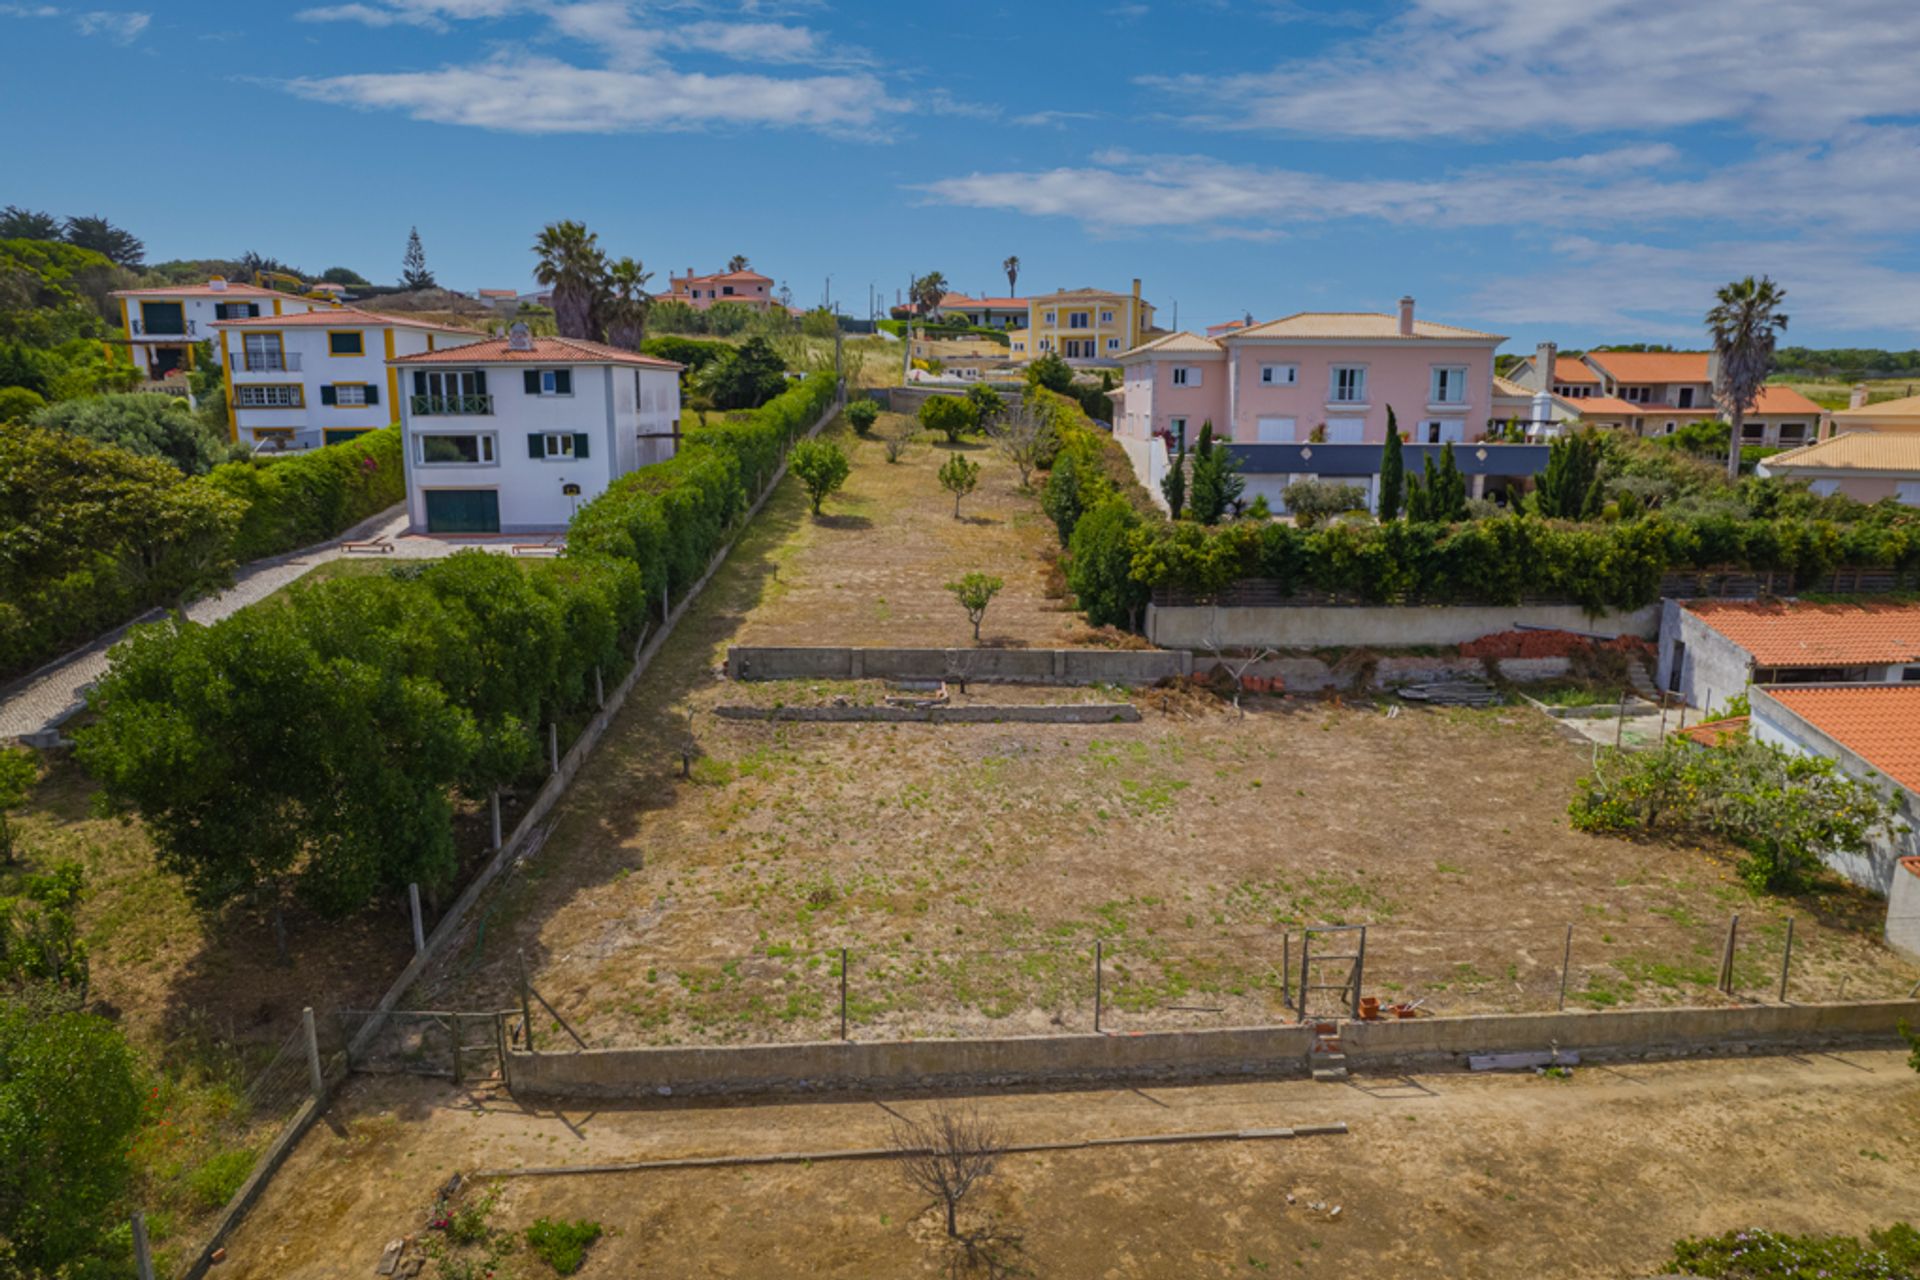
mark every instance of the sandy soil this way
{"type": "Point", "coordinates": [1443, 1175]}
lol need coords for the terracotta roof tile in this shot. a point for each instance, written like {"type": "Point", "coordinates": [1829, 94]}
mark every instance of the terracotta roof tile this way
{"type": "Point", "coordinates": [1907, 408]}
{"type": "Point", "coordinates": [1183, 343]}
{"type": "Point", "coordinates": [1355, 324]}
{"type": "Point", "coordinates": [208, 291]}
{"type": "Point", "coordinates": [340, 318]}
{"type": "Point", "coordinates": [1875, 721]}
{"type": "Point", "coordinates": [543, 351]}
{"type": "Point", "coordinates": [1780, 634]}
{"type": "Point", "coordinates": [1652, 366]}
{"type": "Point", "coordinates": [1855, 451]}
{"type": "Point", "coordinates": [1574, 370]}
{"type": "Point", "coordinates": [1715, 733]}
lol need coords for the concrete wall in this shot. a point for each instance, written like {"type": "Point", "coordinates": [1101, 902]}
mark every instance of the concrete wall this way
{"type": "Point", "coordinates": [1872, 867]}
{"type": "Point", "coordinates": [1076, 713]}
{"type": "Point", "coordinates": [1903, 908]}
{"type": "Point", "coordinates": [1003, 666]}
{"type": "Point", "coordinates": [1712, 667]}
{"type": "Point", "coordinates": [1267, 1051]}
{"type": "Point", "coordinates": [1386, 626]}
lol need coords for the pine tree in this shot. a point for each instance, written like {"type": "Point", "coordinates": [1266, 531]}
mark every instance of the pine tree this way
{"type": "Point", "coordinates": [1447, 490]}
{"type": "Point", "coordinates": [413, 267]}
{"type": "Point", "coordinates": [1173, 485]}
{"type": "Point", "coordinates": [1570, 488]}
{"type": "Point", "coordinates": [1393, 471]}
{"type": "Point", "coordinates": [1217, 482]}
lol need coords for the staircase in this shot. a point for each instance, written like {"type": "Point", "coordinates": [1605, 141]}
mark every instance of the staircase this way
{"type": "Point", "coordinates": [1642, 681]}
{"type": "Point", "coordinates": [1327, 1059]}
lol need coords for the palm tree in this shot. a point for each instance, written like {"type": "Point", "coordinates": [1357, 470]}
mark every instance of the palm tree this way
{"type": "Point", "coordinates": [928, 290]}
{"type": "Point", "coordinates": [1744, 324]}
{"type": "Point", "coordinates": [1012, 267]}
{"type": "Point", "coordinates": [738, 262]}
{"type": "Point", "coordinates": [627, 304]}
{"type": "Point", "coordinates": [571, 265]}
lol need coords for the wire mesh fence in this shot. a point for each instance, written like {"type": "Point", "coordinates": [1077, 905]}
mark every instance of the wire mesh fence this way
{"type": "Point", "coordinates": [1250, 978]}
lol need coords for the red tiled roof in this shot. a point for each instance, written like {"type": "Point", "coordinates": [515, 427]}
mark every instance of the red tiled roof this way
{"type": "Point", "coordinates": [1816, 635]}
{"type": "Point", "coordinates": [1875, 721]}
{"type": "Point", "coordinates": [722, 275]}
{"type": "Point", "coordinates": [1591, 406]}
{"type": "Point", "coordinates": [542, 351]}
{"type": "Point", "coordinates": [339, 318]}
{"type": "Point", "coordinates": [1775, 399]}
{"type": "Point", "coordinates": [1574, 370]}
{"type": "Point", "coordinates": [1715, 733]}
{"type": "Point", "coordinates": [998, 304]}
{"type": "Point", "coordinates": [1652, 366]}
{"type": "Point", "coordinates": [208, 291]}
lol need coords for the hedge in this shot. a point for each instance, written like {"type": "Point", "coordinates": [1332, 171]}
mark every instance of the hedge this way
{"type": "Point", "coordinates": [297, 501]}
{"type": "Point", "coordinates": [670, 518]}
{"type": "Point", "coordinates": [694, 353]}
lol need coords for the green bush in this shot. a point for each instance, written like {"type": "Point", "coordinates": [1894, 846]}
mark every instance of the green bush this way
{"type": "Point", "coordinates": [1100, 564]}
{"type": "Point", "coordinates": [296, 501]}
{"type": "Point", "coordinates": [861, 415]}
{"type": "Point", "coordinates": [153, 426]}
{"type": "Point", "coordinates": [1893, 1254]}
{"type": "Point", "coordinates": [213, 1183]}
{"type": "Point", "coordinates": [560, 1244]}
{"type": "Point", "coordinates": [821, 467]}
{"type": "Point", "coordinates": [691, 352]}
{"type": "Point", "coordinates": [951, 416]}
{"type": "Point", "coordinates": [17, 404]}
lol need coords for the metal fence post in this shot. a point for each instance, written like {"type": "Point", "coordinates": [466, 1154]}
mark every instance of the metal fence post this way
{"type": "Point", "coordinates": [1726, 956]}
{"type": "Point", "coordinates": [1099, 958]}
{"type": "Point", "coordinates": [459, 1076]}
{"type": "Point", "coordinates": [553, 745]}
{"type": "Point", "coordinates": [315, 1077]}
{"type": "Point", "coordinates": [142, 1254]}
{"type": "Point", "coordinates": [843, 993]}
{"type": "Point", "coordinates": [599, 688]}
{"type": "Point", "coordinates": [1286, 969]}
{"type": "Point", "coordinates": [493, 804]}
{"type": "Point", "coordinates": [1566, 962]}
{"type": "Point", "coordinates": [526, 1002]}
{"type": "Point", "coordinates": [1786, 961]}
{"type": "Point", "coordinates": [1359, 971]}
{"type": "Point", "coordinates": [419, 928]}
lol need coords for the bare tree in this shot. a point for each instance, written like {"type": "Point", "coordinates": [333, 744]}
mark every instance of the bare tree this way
{"type": "Point", "coordinates": [947, 1156]}
{"type": "Point", "coordinates": [1023, 435]}
{"type": "Point", "coordinates": [896, 436]}
{"type": "Point", "coordinates": [1239, 672]}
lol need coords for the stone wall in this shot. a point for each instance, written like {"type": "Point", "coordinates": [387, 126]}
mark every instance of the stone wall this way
{"type": "Point", "coordinates": [990, 666]}
{"type": "Point", "coordinates": [1383, 627]}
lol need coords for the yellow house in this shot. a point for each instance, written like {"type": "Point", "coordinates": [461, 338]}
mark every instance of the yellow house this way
{"type": "Point", "coordinates": [1082, 325]}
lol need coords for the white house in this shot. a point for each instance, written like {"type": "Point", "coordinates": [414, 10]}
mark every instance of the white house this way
{"type": "Point", "coordinates": [298, 381]}
{"type": "Point", "coordinates": [513, 434]}
{"type": "Point", "coordinates": [164, 324]}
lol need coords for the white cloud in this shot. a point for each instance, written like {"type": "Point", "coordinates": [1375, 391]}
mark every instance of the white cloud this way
{"type": "Point", "coordinates": [540, 95]}
{"type": "Point", "coordinates": [121, 27]}
{"type": "Point", "coordinates": [1483, 69]}
{"type": "Point", "coordinates": [368, 15]}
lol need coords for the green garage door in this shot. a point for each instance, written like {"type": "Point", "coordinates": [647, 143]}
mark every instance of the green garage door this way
{"type": "Point", "coordinates": [463, 511]}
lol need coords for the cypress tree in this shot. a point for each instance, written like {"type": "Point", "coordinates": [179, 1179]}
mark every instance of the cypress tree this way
{"type": "Point", "coordinates": [1448, 501]}
{"type": "Point", "coordinates": [1393, 471]}
{"type": "Point", "coordinates": [1173, 485]}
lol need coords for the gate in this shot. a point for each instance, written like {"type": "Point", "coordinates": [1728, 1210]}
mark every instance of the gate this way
{"type": "Point", "coordinates": [1348, 960]}
{"type": "Point", "coordinates": [449, 1044]}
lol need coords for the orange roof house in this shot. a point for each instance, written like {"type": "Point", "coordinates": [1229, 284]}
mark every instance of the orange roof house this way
{"type": "Point", "coordinates": [1782, 634]}
{"type": "Point", "coordinates": [1878, 722]}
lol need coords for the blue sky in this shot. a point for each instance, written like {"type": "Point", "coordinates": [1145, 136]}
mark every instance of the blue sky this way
{"type": "Point", "coordinates": [1582, 170]}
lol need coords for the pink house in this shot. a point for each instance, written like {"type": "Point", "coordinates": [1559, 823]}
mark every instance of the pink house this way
{"type": "Point", "coordinates": [702, 292]}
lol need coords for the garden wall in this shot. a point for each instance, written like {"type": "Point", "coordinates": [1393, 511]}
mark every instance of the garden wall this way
{"type": "Point", "coordinates": [992, 666]}
{"type": "Point", "coordinates": [1374, 626]}
{"type": "Point", "coordinates": [1265, 1051]}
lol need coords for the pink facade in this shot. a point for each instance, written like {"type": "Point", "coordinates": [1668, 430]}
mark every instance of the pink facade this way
{"type": "Point", "coordinates": [1331, 377]}
{"type": "Point", "coordinates": [701, 292]}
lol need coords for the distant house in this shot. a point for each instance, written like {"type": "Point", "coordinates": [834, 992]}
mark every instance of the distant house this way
{"type": "Point", "coordinates": [1712, 650]}
{"type": "Point", "coordinates": [163, 324]}
{"type": "Point", "coordinates": [1887, 417]}
{"type": "Point", "coordinates": [514, 434]}
{"type": "Point", "coordinates": [1307, 397]}
{"type": "Point", "coordinates": [507, 300]}
{"type": "Point", "coordinates": [1083, 326]}
{"type": "Point", "coordinates": [748, 288]}
{"type": "Point", "coordinates": [1867, 465]}
{"type": "Point", "coordinates": [300, 380]}
{"type": "Point", "coordinates": [1658, 392]}
{"type": "Point", "coordinates": [989, 313]}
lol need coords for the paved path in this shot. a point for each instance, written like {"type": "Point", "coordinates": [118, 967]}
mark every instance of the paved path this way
{"type": "Point", "coordinates": [53, 694]}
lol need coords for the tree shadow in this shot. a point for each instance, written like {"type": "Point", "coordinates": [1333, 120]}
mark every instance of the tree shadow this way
{"type": "Point", "coordinates": [844, 521]}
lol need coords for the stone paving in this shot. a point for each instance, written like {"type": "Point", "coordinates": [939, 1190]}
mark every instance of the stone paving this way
{"type": "Point", "coordinates": [41, 703]}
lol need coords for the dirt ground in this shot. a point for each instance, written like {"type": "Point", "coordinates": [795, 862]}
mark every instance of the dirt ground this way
{"type": "Point", "coordinates": [1444, 1174]}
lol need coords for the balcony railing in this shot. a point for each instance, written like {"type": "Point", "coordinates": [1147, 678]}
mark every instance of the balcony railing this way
{"type": "Point", "coordinates": [434, 406]}
{"type": "Point", "coordinates": [266, 362]}
{"type": "Point", "coordinates": [141, 329]}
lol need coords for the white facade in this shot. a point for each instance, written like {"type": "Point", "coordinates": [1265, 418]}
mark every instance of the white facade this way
{"type": "Point", "coordinates": [164, 324]}
{"type": "Point", "coordinates": [300, 382]}
{"type": "Point", "coordinates": [516, 440]}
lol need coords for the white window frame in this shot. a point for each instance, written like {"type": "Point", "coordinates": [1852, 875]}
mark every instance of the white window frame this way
{"type": "Point", "coordinates": [1106, 317]}
{"type": "Point", "coordinates": [1113, 344]}
{"type": "Point", "coordinates": [1359, 380]}
{"type": "Point", "coordinates": [1050, 317]}
{"type": "Point", "coordinates": [1187, 375]}
{"type": "Point", "coordinates": [1438, 380]}
{"type": "Point", "coordinates": [1436, 431]}
{"type": "Point", "coordinates": [342, 390]}
{"type": "Point", "coordinates": [486, 448]}
{"type": "Point", "coordinates": [1079, 319]}
{"type": "Point", "coordinates": [1279, 375]}
{"type": "Point", "coordinates": [270, 395]}
{"type": "Point", "coordinates": [549, 383]}
{"type": "Point", "coordinates": [1276, 430]}
{"type": "Point", "coordinates": [557, 447]}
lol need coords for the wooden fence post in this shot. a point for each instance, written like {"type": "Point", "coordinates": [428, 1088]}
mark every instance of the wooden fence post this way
{"type": "Point", "coordinates": [1099, 958]}
{"type": "Point", "coordinates": [1786, 961]}
{"type": "Point", "coordinates": [1566, 962]}
{"type": "Point", "coordinates": [316, 1078]}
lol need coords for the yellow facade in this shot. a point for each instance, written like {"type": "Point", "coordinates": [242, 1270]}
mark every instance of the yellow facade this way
{"type": "Point", "coordinates": [1082, 324]}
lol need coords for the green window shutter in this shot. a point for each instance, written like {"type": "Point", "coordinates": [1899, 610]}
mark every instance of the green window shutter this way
{"type": "Point", "coordinates": [536, 444]}
{"type": "Point", "coordinates": [328, 394]}
{"type": "Point", "coordinates": [580, 444]}
{"type": "Point", "coordinates": [373, 394]}
{"type": "Point", "coordinates": [563, 382]}
{"type": "Point", "coordinates": [532, 380]}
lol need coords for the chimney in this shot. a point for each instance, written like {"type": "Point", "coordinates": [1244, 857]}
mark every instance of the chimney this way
{"type": "Point", "coordinates": [1858, 398]}
{"type": "Point", "coordinates": [218, 284]}
{"type": "Point", "coordinates": [519, 338]}
{"type": "Point", "coordinates": [1406, 316]}
{"type": "Point", "coordinates": [1545, 357]}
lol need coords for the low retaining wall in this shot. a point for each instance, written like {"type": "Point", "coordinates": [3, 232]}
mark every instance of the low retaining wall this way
{"type": "Point", "coordinates": [1386, 627]}
{"type": "Point", "coordinates": [834, 1066]}
{"type": "Point", "coordinates": [990, 666]}
{"type": "Point", "coordinates": [1080, 713]}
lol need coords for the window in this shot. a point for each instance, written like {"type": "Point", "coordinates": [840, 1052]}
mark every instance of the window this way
{"type": "Point", "coordinates": [727, 290]}
{"type": "Point", "coordinates": [1824, 488]}
{"type": "Point", "coordinates": [350, 395]}
{"type": "Point", "coordinates": [346, 342]}
{"type": "Point", "coordinates": [235, 310]}
{"type": "Point", "coordinates": [1636, 395]}
{"type": "Point", "coordinates": [1178, 426]}
{"type": "Point", "coordinates": [1113, 344]}
{"type": "Point", "coordinates": [1449, 384]}
{"type": "Point", "coordinates": [1910, 675]}
{"type": "Point", "coordinates": [1186, 375]}
{"type": "Point", "coordinates": [163, 317]}
{"type": "Point", "coordinates": [549, 382]}
{"type": "Point", "coordinates": [1796, 432]}
{"type": "Point", "coordinates": [269, 396]}
{"type": "Point", "coordinates": [1079, 320]}
{"type": "Point", "coordinates": [1274, 430]}
{"type": "Point", "coordinates": [557, 446]}
{"type": "Point", "coordinates": [452, 450]}
{"type": "Point", "coordinates": [1279, 375]}
{"type": "Point", "coordinates": [1907, 493]}
{"type": "Point", "coordinates": [1050, 319]}
{"type": "Point", "coordinates": [340, 435]}
{"type": "Point", "coordinates": [1752, 431]}
{"type": "Point", "coordinates": [1349, 384]}
{"type": "Point", "coordinates": [1686, 398]}
{"type": "Point", "coordinates": [1106, 317]}
{"type": "Point", "coordinates": [1442, 430]}
{"type": "Point", "coordinates": [263, 351]}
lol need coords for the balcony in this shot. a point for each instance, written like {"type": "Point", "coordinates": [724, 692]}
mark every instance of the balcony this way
{"type": "Point", "coordinates": [186, 329]}
{"type": "Point", "coordinates": [450, 406]}
{"type": "Point", "coordinates": [266, 361]}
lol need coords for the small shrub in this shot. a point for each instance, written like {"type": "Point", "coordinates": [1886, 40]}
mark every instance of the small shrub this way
{"type": "Point", "coordinates": [822, 468]}
{"type": "Point", "coordinates": [951, 416]}
{"type": "Point", "coordinates": [219, 1176]}
{"type": "Point", "coordinates": [861, 415]}
{"type": "Point", "coordinates": [562, 1245]}
{"type": "Point", "coordinates": [975, 592]}
{"type": "Point", "coordinates": [960, 477]}
{"type": "Point", "coordinates": [468, 1224]}
{"type": "Point", "coordinates": [1765, 1255]}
